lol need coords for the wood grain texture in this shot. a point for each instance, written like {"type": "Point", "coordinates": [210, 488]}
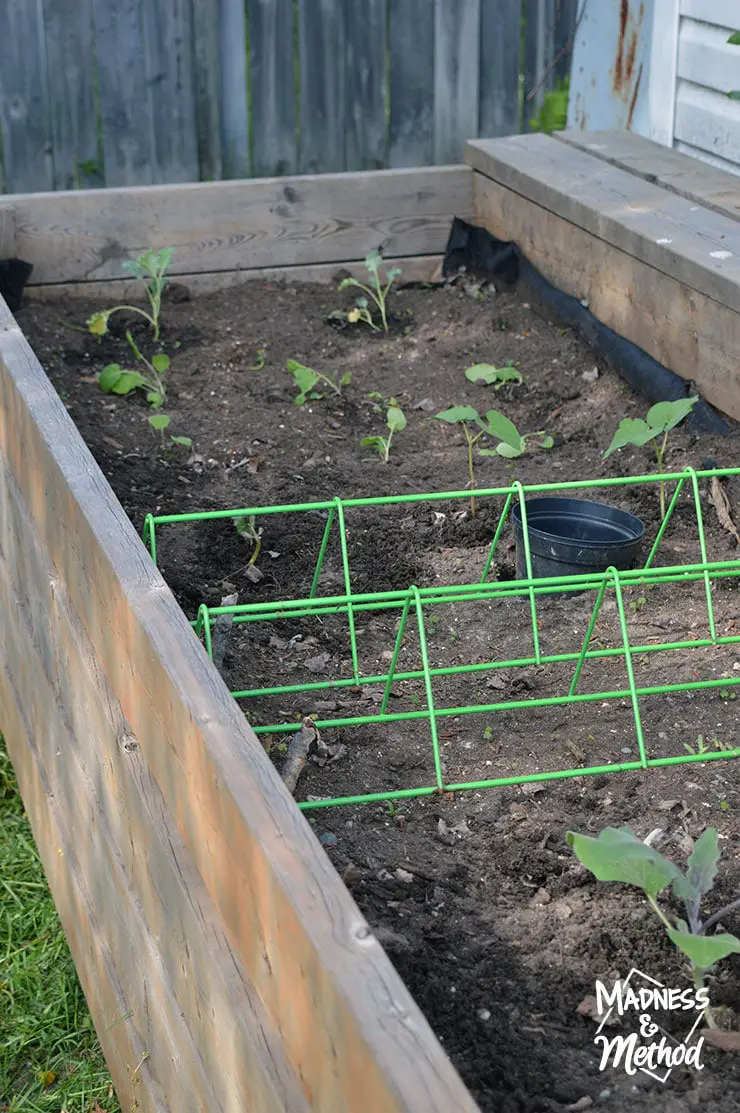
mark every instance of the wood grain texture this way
{"type": "Point", "coordinates": [242, 225]}
{"type": "Point", "coordinates": [500, 23]}
{"type": "Point", "coordinates": [456, 76]}
{"type": "Point", "coordinates": [664, 166]}
{"type": "Point", "coordinates": [706, 58]}
{"type": "Point", "coordinates": [321, 40]}
{"type": "Point", "coordinates": [25, 123]}
{"type": "Point", "coordinates": [68, 29]}
{"type": "Point", "coordinates": [207, 82]}
{"type": "Point", "coordinates": [692, 244]}
{"type": "Point", "coordinates": [8, 248]}
{"type": "Point", "coordinates": [709, 121]}
{"type": "Point", "coordinates": [366, 131]}
{"type": "Point", "coordinates": [416, 268]}
{"type": "Point", "coordinates": [348, 1030]}
{"type": "Point", "coordinates": [273, 98]}
{"type": "Point", "coordinates": [686, 331]}
{"type": "Point", "coordinates": [411, 83]}
{"type": "Point", "coordinates": [235, 155]}
{"type": "Point", "coordinates": [168, 44]}
{"type": "Point", "coordinates": [124, 94]}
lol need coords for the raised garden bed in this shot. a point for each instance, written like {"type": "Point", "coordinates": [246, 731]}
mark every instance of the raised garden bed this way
{"type": "Point", "coordinates": [494, 928]}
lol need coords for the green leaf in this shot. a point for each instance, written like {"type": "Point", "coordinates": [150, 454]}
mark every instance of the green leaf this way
{"type": "Point", "coordinates": [161, 363]}
{"type": "Point", "coordinates": [362, 303]}
{"type": "Point", "coordinates": [98, 323]}
{"type": "Point", "coordinates": [305, 378]}
{"type": "Point", "coordinates": [547, 442]}
{"type": "Point", "coordinates": [702, 868]}
{"type": "Point", "coordinates": [489, 452]}
{"type": "Point", "coordinates": [109, 376]}
{"type": "Point", "coordinates": [347, 282]}
{"type": "Point", "coordinates": [734, 39]}
{"type": "Point", "coordinates": [346, 378]}
{"type": "Point", "coordinates": [155, 398]}
{"type": "Point", "coordinates": [734, 94]}
{"type": "Point", "coordinates": [631, 430]}
{"type": "Point", "coordinates": [395, 419]}
{"type": "Point", "coordinates": [458, 414]}
{"type": "Point", "coordinates": [665, 415]}
{"type": "Point", "coordinates": [705, 950]}
{"type": "Point", "coordinates": [488, 374]}
{"type": "Point", "coordinates": [499, 426]}
{"type": "Point", "coordinates": [618, 855]}
{"type": "Point", "coordinates": [187, 442]}
{"type": "Point", "coordinates": [128, 381]}
{"type": "Point", "coordinates": [393, 273]}
{"type": "Point", "coordinates": [132, 266]}
{"type": "Point", "coordinates": [159, 421]}
{"type": "Point", "coordinates": [373, 262]}
{"type": "Point", "coordinates": [508, 450]}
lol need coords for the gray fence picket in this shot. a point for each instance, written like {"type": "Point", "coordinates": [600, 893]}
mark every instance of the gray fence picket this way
{"type": "Point", "coordinates": [25, 123]}
{"type": "Point", "coordinates": [70, 54]}
{"type": "Point", "coordinates": [322, 100]}
{"type": "Point", "coordinates": [168, 44]}
{"type": "Point", "coordinates": [273, 87]}
{"type": "Point", "coordinates": [366, 137]}
{"type": "Point", "coordinates": [456, 68]}
{"type": "Point", "coordinates": [499, 67]}
{"type": "Point", "coordinates": [235, 155]}
{"type": "Point", "coordinates": [207, 78]}
{"type": "Point", "coordinates": [412, 83]}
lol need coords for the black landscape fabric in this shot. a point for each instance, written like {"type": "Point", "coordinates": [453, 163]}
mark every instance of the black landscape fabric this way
{"type": "Point", "coordinates": [14, 274]}
{"type": "Point", "coordinates": [502, 263]}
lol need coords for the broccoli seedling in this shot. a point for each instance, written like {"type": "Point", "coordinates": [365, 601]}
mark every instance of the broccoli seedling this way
{"type": "Point", "coordinates": [114, 379]}
{"type": "Point", "coordinates": [247, 528]}
{"type": "Point", "coordinates": [160, 422]}
{"type": "Point", "coordinates": [377, 290]}
{"type": "Point", "coordinates": [659, 420]}
{"type": "Point", "coordinates": [149, 267]}
{"type": "Point", "coordinates": [396, 422]}
{"type": "Point", "coordinates": [494, 376]}
{"type": "Point", "coordinates": [618, 855]}
{"type": "Point", "coordinates": [306, 379]}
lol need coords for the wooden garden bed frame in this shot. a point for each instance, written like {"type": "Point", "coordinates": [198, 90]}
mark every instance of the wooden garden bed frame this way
{"type": "Point", "coordinates": [225, 964]}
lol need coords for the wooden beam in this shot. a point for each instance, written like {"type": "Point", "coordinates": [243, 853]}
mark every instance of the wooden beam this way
{"type": "Point", "coordinates": [687, 332]}
{"type": "Point", "coordinates": [227, 226]}
{"type": "Point", "coordinates": [7, 232]}
{"type": "Point", "coordinates": [350, 1036]}
{"type": "Point", "coordinates": [694, 245]}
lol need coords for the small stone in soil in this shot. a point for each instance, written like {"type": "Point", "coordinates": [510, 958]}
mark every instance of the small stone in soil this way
{"type": "Point", "coordinates": [328, 840]}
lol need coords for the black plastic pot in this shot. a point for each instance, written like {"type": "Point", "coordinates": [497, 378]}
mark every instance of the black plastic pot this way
{"type": "Point", "coordinates": [571, 537]}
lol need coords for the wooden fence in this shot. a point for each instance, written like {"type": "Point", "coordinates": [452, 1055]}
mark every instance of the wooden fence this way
{"type": "Point", "coordinates": [138, 92]}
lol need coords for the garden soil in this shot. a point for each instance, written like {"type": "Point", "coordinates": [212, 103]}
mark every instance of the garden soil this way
{"type": "Point", "coordinates": [497, 930]}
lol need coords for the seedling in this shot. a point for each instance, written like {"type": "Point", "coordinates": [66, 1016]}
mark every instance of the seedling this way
{"type": "Point", "coordinates": [658, 422]}
{"type": "Point", "coordinates": [247, 528]}
{"type": "Point", "coordinates": [511, 444]}
{"type": "Point", "coordinates": [160, 422]}
{"type": "Point", "coordinates": [494, 376]}
{"type": "Point", "coordinates": [306, 380]}
{"type": "Point", "coordinates": [115, 379]}
{"type": "Point", "coordinates": [376, 291]}
{"type": "Point", "coordinates": [618, 855]}
{"type": "Point", "coordinates": [380, 402]}
{"type": "Point", "coordinates": [149, 267]}
{"type": "Point", "coordinates": [396, 422]}
{"type": "Point", "coordinates": [701, 746]}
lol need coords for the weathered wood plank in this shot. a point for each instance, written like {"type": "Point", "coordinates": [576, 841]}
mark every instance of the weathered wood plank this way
{"type": "Point", "coordinates": [242, 225]}
{"type": "Point", "coordinates": [25, 122]}
{"type": "Point", "coordinates": [133, 846]}
{"type": "Point", "coordinates": [500, 23]}
{"type": "Point", "coordinates": [416, 268]}
{"type": "Point", "coordinates": [207, 77]}
{"type": "Point", "coordinates": [720, 12]}
{"type": "Point", "coordinates": [7, 232]}
{"type": "Point", "coordinates": [686, 331]}
{"type": "Point", "coordinates": [411, 83]}
{"type": "Point", "coordinates": [695, 245]}
{"type": "Point", "coordinates": [664, 166]}
{"type": "Point", "coordinates": [168, 44]}
{"type": "Point", "coordinates": [456, 77]}
{"type": "Point", "coordinates": [366, 132]}
{"type": "Point", "coordinates": [235, 154]}
{"type": "Point", "coordinates": [321, 43]}
{"type": "Point", "coordinates": [348, 1028]}
{"type": "Point", "coordinates": [706, 58]}
{"type": "Point", "coordinates": [124, 96]}
{"type": "Point", "coordinates": [708, 121]}
{"type": "Point", "coordinates": [271, 44]}
{"type": "Point", "coordinates": [68, 27]}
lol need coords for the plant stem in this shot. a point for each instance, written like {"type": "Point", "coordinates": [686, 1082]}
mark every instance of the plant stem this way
{"type": "Point", "coordinates": [697, 977]}
{"type": "Point", "coordinates": [471, 441]}
{"type": "Point", "coordinates": [141, 312]}
{"type": "Point", "coordinates": [387, 446]}
{"type": "Point", "coordinates": [658, 911]}
{"type": "Point", "coordinates": [715, 919]}
{"type": "Point", "coordinates": [659, 452]}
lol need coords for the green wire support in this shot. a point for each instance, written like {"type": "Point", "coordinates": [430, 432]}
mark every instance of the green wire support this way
{"type": "Point", "coordinates": [402, 601]}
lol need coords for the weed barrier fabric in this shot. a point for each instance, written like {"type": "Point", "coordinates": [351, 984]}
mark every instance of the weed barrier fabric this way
{"type": "Point", "coordinates": [502, 263]}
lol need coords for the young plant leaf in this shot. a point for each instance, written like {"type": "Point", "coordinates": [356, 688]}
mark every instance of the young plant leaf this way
{"type": "Point", "coordinates": [493, 376]}
{"type": "Point", "coordinates": [395, 419]}
{"type": "Point", "coordinates": [155, 398]}
{"type": "Point", "coordinates": [127, 381]}
{"type": "Point", "coordinates": [703, 951]}
{"type": "Point", "coordinates": [161, 363]}
{"type": "Point", "coordinates": [458, 414]}
{"type": "Point", "coordinates": [98, 323]}
{"type": "Point", "coordinates": [373, 262]}
{"type": "Point", "coordinates": [666, 415]}
{"type": "Point", "coordinates": [508, 450]}
{"type": "Point", "coordinates": [702, 868]}
{"type": "Point", "coordinates": [547, 442]}
{"type": "Point", "coordinates": [618, 855]}
{"type": "Point", "coordinates": [499, 426]}
{"type": "Point", "coordinates": [159, 421]}
{"type": "Point", "coordinates": [109, 376]}
{"type": "Point", "coordinates": [346, 378]}
{"type": "Point", "coordinates": [186, 442]}
{"type": "Point", "coordinates": [631, 430]}
{"type": "Point", "coordinates": [734, 39]}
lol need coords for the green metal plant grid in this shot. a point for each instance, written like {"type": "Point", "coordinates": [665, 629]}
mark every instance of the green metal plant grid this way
{"type": "Point", "coordinates": [412, 603]}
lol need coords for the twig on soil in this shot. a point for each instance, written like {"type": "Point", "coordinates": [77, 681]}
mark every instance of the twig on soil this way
{"type": "Point", "coordinates": [297, 755]}
{"type": "Point", "coordinates": [721, 503]}
{"type": "Point", "coordinates": [222, 630]}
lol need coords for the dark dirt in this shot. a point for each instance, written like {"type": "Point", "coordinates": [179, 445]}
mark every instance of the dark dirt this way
{"type": "Point", "coordinates": [491, 922]}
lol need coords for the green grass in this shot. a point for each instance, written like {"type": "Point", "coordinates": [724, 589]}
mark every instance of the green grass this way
{"type": "Point", "coordinates": [50, 1058]}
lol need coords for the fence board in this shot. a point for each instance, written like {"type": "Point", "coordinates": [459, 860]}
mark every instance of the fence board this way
{"type": "Point", "coordinates": [168, 44]}
{"type": "Point", "coordinates": [68, 26]}
{"type": "Point", "coordinates": [271, 38]}
{"type": "Point", "coordinates": [25, 127]}
{"type": "Point", "coordinates": [322, 69]}
{"type": "Point", "coordinates": [456, 68]}
{"type": "Point", "coordinates": [412, 83]}
{"type": "Point", "coordinates": [500, 28]}
{"type": "Point", "coordinates": [207, 79]}
{"type": "Point", "coordinates": [234, 112]}
{"type": "Point", "coordinates": [124, 105]}
{"type": "Point", "coordinates": [366, 139]}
